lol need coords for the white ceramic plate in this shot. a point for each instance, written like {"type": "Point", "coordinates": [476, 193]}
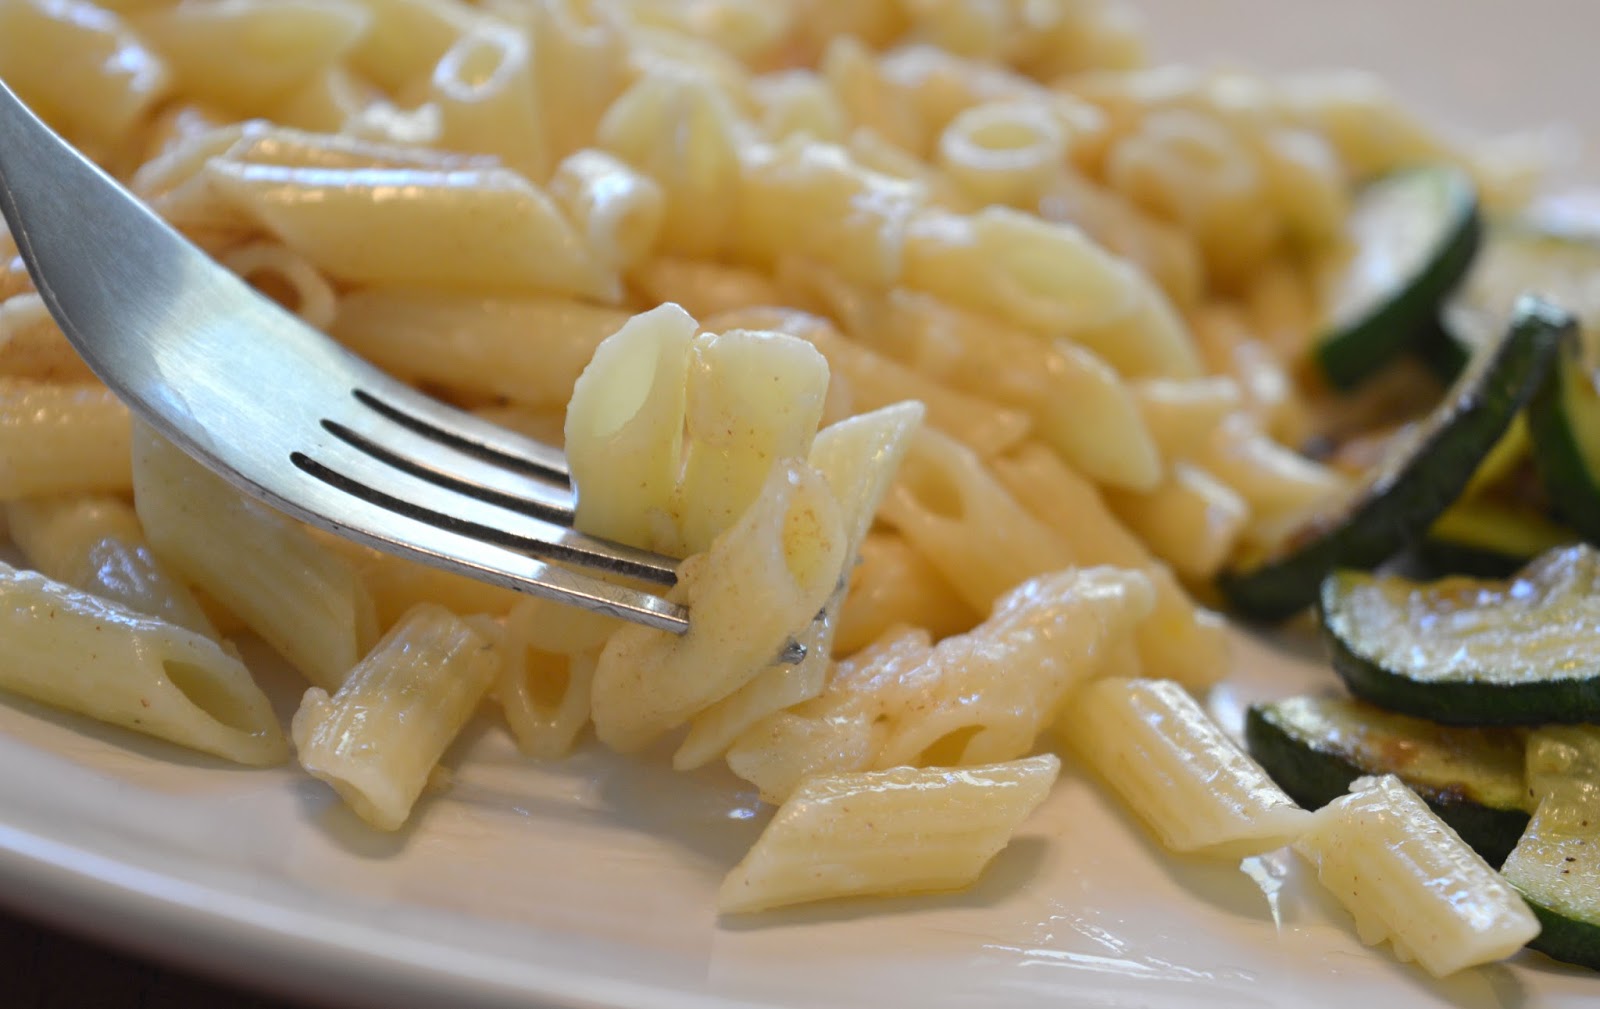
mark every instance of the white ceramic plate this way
{"type": "Point", "coordinates": [590, 883]}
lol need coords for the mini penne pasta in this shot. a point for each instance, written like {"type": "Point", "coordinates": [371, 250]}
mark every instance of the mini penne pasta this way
{"type": "Point", "coordinates": [246, 55]}
{"type": "Point", "coordinates": [704, 288]}
{"type": "Point", "coordinates": [1408, 878]}
{"type": "Point", "coordinates": [753, 397]}
{"type": "Point", "coordinates": [1004, 152]}
{"type": "Point", "coordinates": [407, 38]}
{"type": "Point", "coordinates": [1186, 780]}
{"type": "Point", "coordinates": [809, 199]}
{"type": "Point", "coordinates": [96, 545]}
{"type": "Point", "coordinates": [377, 739]}
{"type": "Point", "coordinates": [32, 346]}
{"type": "Point", "coordinates": [624, 430]}
{"type": "Point", "coordinates": [544, 695]}
{"type": "Point", "coordinates": [895, 585]}
{"type": "Point", "coordinates": [305, 601]}
{"type": "Point", "coordinates": [75, 651]}
{"type": "Point", "coordinates": [1180, 640]}
{"type": "Point", "coordinates": [527, 350]}
{"type": "Point", "coordinates": [483, 87]}
{"type": "Point", "coordinates": [81, 68]}
{"type": "Point", "coordinates": [840, 731]}
{"type": "Point", "coordinates": [1182, 414]}
{"type": "Point", "coordinates": [876, 381]}
{"type": "Point", "coordinates": [616, 210]}
{"type": "Point", "coordinates": [951, 509]}
{"type": "Point", "coordinates": [987, 694]}
{"type": "Point", "coordinates": [680, 131]}
{"type": "Point", "coordinates": [484, 230]}
{"type": "Point", "coordinates": [1191, 521]}
{"type": "Point", "coordinates": [62, 439]}
{"type": "Point", "coordinates": [886, 832]}
{"type": "Point", "coordinates": [858, 458]}
{"type": "Point", "coordinates": [787, 551]}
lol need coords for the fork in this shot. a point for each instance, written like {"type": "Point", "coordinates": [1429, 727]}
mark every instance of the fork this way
{"type": "Point", "coordinates": [287, 415]}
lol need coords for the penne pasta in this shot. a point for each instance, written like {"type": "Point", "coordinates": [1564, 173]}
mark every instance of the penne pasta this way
{"type": "Point", "coordinates": [75, 651]}
{"type": "Point", "coordinates": [377, 739]}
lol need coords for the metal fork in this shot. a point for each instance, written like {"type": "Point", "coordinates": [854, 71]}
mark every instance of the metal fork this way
{"type": "Point", "coordinates": [287, 415]}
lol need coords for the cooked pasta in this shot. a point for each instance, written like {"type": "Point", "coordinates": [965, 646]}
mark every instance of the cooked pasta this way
{"type": "Point", "coordinates": [943, 338]}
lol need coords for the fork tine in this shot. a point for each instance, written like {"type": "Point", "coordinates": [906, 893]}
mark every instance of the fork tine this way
{"type": "Point", "coordinates": [494, 511]}
{"type": "Point", "coordinates": [462, 431]}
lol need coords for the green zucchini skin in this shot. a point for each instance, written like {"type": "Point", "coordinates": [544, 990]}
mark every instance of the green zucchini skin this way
{"type": "Point", "coordinates": [1353, 352]}
{"type": "Point", "coordinates": [1570, 940]}
{"type": "Point", "coordinates": [1553, 423]}
{"type": "Point", "coordinates": [1314, 775]}
{"type": "Point", "coordinates": [1461, 702]}
{"type": "Point", "coordinates": [1401, 498]}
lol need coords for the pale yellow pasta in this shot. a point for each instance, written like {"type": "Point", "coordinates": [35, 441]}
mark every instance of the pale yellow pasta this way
{"type": "Point", "coordinates": [1272, 480]}
{"type": "Point", "coordinates": [377, 739]}
{"type": "Point", "coordinates": [811, 199]}
{"type": "Point", "coordinates": [1182, 414]}
{"type": "Point", "coordinates": [82, 653]}
{"type": "Point", "coordinates": [877, 381]}
{"type": "Point", "coordinates": [1079, 405]}
{"type": "Point", "coordinates": [246, 55]}
{"type": "Point", "coordinates": [1044, 277]}
{"type": "Point", "coordinates": [987, 694]}
{"type": "Point", "coordinates": [703, 287]}
{"type": "Point", "coordinates": [1191, 169]}
{"type": "Point", "coordinates": [527, 350]}
{"type": "Point", "coordinates": [774, 689]}
{"type": "Point", "coordinates": [328, 102]}
{"type": "Point", "coordinates": [661, 52]}
{"type": "Point", "coordinates": [624, 429]}
{"type": "Point", "coordinates": [1005, 152]}
{"type": "Point", "coordinates": [62, 439]}
{"type": "Point", "coordinates": [617, 211]}
{"type": "Point", "coordinates": [580, 62]}
{"type": "Point", "coordinates": [798, 103]}
{"type": "Point", "coordinates": [1187, 781]}
{"type": "Point", "coordinates": [484, 89]}
{"type": "Point", "coordinates": [841, 731]}
{"type": "Point", "coordinates": [33, 347]}
{"type": "Point", "coordinates": [286, 276]}
{"type": "Point", "coordinates": [81, 69]}
{"type": "Point", "coordinates": [952, 510]}
{"type": "Point", "coordinates": [407, 38]}
{"type": "Point", "coordinates": [682, 132]}
{"type": "Point", "coordinates": [1166, 253]}
{"type": "Point", "coordinates": [743, 30]}
{"type": "Point", "coordinates": [761, 580]}
{"type": "Point", "coordinates": [887, 832]}
{"type": "Point", "coordinates": [96, 545]}
{"type": "Point", "coordinates": [858, 458]}
{"type": "Point", "coordinates": [754, 397]}
{"type": "Point", "coordinates": [1192, 521]}
{"type": "Point", "coordinates": [895, 585]}
{"type": "Point", "coordinates": [1358, 116]}
{"type": "Point", "coordinates": [485, 231]}
{"type": "Point", "coordinates": [308, 603]}
{"type": "Point", "coordinates": [1180, 640]}
{"type": "Point", "coordinates": [543, 695]}
{"type": "Point", "coordinates": [398, 584]}
{"type": "Point", "coordinates": [1305, 184]}
{"type": "Point", "coordinates": [868, 98]}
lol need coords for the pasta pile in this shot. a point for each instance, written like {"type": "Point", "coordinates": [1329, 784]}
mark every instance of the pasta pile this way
{"type": "Point", "coordinates": [959, 290]}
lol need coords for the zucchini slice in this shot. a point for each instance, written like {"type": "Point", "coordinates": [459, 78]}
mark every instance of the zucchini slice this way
{"type": "Point", "coordinates": [1556, 864]}
{"type": "Point", "coordinates": [1564, 419]}
{"type": "Point", "coordinates": [1412, 236]}
{"type": "Point", "coordinates": [1467, 651]}
{"type": "Point", "coordinates": [1519, 258]}
{"type": "Point", "coordinates": [1314, 747]}
{"type": "Point", "coordinates": [1487, 539]}
{"type": "Point", "coordinates": [1418, 477]}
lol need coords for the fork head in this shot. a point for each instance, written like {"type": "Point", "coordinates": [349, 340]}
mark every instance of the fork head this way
{"type": "Point", "coordinates": [284, 413]}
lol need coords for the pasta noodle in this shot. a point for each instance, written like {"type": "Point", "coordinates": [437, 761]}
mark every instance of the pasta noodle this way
{"type": "Point", "coordinates": [945, 339]}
